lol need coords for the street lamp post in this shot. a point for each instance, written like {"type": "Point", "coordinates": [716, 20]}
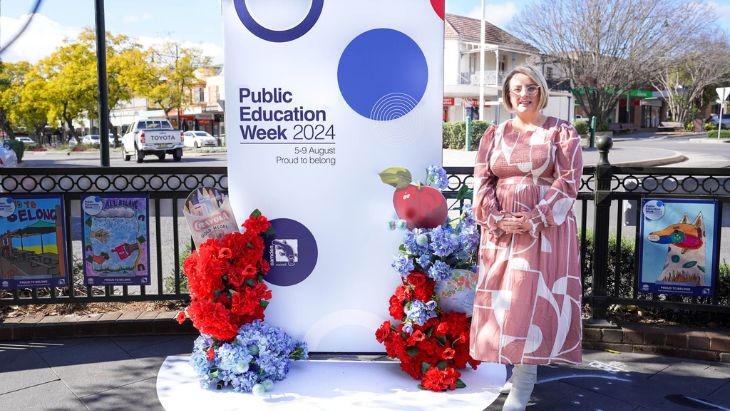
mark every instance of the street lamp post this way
{"type": "Point", "coordinates": [101, 76]}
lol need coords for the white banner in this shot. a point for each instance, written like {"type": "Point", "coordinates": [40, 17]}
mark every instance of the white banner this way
{"type": "Point", "coordinates": [321, 95]}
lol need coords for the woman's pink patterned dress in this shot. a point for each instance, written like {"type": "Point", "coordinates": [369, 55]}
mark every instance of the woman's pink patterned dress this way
{"type": "Point", "coordinates": [527, 308]}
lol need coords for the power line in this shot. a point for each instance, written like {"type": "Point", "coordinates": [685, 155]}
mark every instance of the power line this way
{"type": "Point", "coordinates": [20, 32]}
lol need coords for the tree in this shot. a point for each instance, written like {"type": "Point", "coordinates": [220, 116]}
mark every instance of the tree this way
{"type": "Point", "coordinates": [686, 78]}
{"type": "Point", "coordinates": [608, 47]}
{"type": "Point", "coordinates": [174, 73]}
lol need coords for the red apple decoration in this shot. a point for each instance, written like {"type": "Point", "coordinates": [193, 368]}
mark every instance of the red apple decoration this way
{"type": "Point", "coordinates": [420, 206]}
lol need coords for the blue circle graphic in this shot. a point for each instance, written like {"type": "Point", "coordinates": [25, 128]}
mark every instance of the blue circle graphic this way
{"type": "Point", "coordinates": [278, 36]}
{"type": "Point", "coordinates": [291, 252]}
{"type": "Point", "coordinates": [382, 74]}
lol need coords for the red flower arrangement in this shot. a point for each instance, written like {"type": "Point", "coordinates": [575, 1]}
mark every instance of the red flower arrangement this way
{"type": "Point", "coordinates": [225, 279]}
{"type": "Point", "coordinates": [431, 352]}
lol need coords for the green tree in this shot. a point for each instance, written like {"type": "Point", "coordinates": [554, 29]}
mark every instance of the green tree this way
{"type": "Point", "coordinates": [168, 85]}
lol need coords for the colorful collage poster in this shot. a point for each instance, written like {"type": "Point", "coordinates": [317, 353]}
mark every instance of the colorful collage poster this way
{"type": "Point", "coordinates": [116, 239]}
{"type": "Point", "coordinates": [678, 246]}
{"type": "Point", "coordinates": [208, 213]}
{"type": "Point", "coordinates": [32, 237]}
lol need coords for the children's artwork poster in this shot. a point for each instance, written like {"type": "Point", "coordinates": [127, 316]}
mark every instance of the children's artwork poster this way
{"type": "Point", "coordinates": [32, 235]}
{"type": "Point", "coordinates": [678, 253]}
{"type": "Point", "coordinates": [209, 215]}
{"type": "Point", "coordinates": [116, 239]}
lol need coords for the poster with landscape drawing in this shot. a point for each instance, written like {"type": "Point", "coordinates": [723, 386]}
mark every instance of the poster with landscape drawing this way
{"type": "Point", "coordinates": [32, 237]}
{"type": "Point", "coordinates": [116, 239]}
{"type": "Point", "coordinates": [678, 246]}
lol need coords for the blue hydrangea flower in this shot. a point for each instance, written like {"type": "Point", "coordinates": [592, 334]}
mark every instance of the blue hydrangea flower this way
{"type": "Point", "coordinates": [403, 264]}
{"type": "Point", "coordinates": [424, 260]}
{"type": "Point", "coordinates": [439, 271]}
{"type": "Point", "coordinates": [260, 353]}
{"type": "Point", "coordinates": [418, 312]}
{"type": "Point", "coordinates": [443, 241]}
{"type": "Point", "coordinates": [436, 177]}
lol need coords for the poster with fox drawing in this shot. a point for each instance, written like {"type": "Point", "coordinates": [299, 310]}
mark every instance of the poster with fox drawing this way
{"type": "Point", "coordinates": [678, 253]}
{"type": "Point", "coordinates": [116, 239]}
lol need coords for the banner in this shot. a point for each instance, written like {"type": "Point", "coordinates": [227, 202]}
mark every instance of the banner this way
{"type": "Point", "coordinates": [678, 246]}
{"type": "Point", "coordinates": [321, 96]}
{"type": "Point", "coordinates": [32, 237]}
{"type": "Point", "coordinates": [116, 239]}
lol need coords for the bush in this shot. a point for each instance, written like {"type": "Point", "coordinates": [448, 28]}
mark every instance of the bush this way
{"type": "Point", "coordinates": [454, 134]}
{"type": "Point", "coordinates": [581, 126]}
{"type": "Point", "coordinates": [627, 283]}
{"type": "Point", "coordinates": [723, 133]}
{"type": "Point", "coordinates": [710, 127]}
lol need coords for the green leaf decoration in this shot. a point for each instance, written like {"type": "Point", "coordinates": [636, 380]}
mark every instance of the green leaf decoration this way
{"type": "Point", "coordinates": [424, 367]}
{"type": "Point", "coordinates": [263, 303]}
{"type": "Point", "coordinates": [89, 259]}
{"type": "Point", "coordinates": [397, 177]}
{"type": "Point", "coordinates": [429, 332]}
{"type": "Point", "coordinates": [460, 383]}
{"type": "Point", "coordinates": [249, 245]}
{"type": "Point", "coordinates": [702, 268]}
{"type": "Point", "coordinates": [89, 222]}
{"type": "Point", "coordinates": [270, 231]}
{"type": "Point", "coordinates": [689, 264]}
{"type": "Point", "coordinates": [250, 282]}
{"type": "Point", "coordinates": [256, 213]}
{"type": "Point", "coordinates": [412, 351]}
{"type": "Point", "coordinates": [141, 239]}
{"type": "Point", "coordinates": [464, 193]}
{"type": "Point", "coordinates": [441, 365]}
{"type": "Point", "coordinates": [441, 340]}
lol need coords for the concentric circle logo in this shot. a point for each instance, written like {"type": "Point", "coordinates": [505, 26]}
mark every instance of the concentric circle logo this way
{"type": "Point", "coordinates": [382, 74]}
{"type": "Point", "coordinates": [291, 252]}
{"type": "Point", "coordinates": [278, 36]}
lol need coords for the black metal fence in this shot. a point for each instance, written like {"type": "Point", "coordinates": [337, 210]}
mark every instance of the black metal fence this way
{"type": "Point", "coordinates": [607, 193]}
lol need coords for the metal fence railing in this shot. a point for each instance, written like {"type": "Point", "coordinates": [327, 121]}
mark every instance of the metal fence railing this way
{"type": "Point", "coordinates": [607, 212]}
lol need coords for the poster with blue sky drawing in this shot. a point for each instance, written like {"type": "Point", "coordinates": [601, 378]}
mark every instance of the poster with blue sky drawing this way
{"type": "Point", "coordinates": [116, 239]}
{"type": "Point", "coordinates": [678, 246]}
{"type": "Point", "coordinates": [32, 234]}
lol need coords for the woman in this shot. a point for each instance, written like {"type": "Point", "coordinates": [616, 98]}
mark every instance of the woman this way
{"type": "Point", "coordinates": [527, 309]}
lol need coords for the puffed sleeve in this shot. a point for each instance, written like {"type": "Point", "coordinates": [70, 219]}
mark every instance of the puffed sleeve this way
{"type": "Point", "coordinates": [557, 202]}
{"type": "Point", "coordinates": [485, 205]}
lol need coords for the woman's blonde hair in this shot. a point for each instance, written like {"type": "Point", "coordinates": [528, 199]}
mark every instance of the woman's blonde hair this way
{"type": "Point", "coordinates": [534, 75]}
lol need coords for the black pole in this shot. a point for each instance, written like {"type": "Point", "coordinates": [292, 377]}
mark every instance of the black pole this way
{"type": "Point", "coordinates": [602, 203]}
{"type": "Point", "coordinates": [101, 75]}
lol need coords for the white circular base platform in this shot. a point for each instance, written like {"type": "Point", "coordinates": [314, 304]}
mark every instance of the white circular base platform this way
{"type": "Point", "coordinates": [330, 385]}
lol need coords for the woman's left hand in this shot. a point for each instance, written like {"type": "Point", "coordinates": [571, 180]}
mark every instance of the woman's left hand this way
{"type": "Point", "coordinates": [517, 223]}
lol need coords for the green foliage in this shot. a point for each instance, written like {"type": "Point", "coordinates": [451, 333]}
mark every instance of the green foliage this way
{"type": "Point", "coordinates": [710, 126]}
{"type": "Point", "coordinates": [454, 134]}
{"type": "Point", "coordinates": [170, 278]}
{"type": "Point", "coordinates": [621, 262]}
{"type": "Point", "coordinates": [723, 133]}
{"type": "Point", "coordinates": [581, 126]}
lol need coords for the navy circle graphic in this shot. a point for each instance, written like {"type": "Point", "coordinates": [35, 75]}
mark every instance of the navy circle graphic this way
{"type": "Point", "coordinates": [291, 252]}
{"type": "Point", "coordinates": [278, 36]}
{"type": "Point", "coordinates": [382, 74]}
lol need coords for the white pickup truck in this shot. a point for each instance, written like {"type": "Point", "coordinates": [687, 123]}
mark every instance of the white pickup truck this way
{"type": "Point", "coordinates": [152, 136]}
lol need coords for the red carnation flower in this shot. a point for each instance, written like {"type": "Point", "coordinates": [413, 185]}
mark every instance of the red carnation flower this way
{"type": "Point", "coordinates": [180, 317]}
{"type": "Point", "coordinates": [448, 353]}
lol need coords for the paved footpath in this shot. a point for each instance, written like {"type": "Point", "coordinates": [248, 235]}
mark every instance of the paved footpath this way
{"type": "Point", "coordinates": [119, 373]}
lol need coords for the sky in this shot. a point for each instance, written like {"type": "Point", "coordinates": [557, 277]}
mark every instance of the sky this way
{"type": "Point", "coordinates": [193, 23]}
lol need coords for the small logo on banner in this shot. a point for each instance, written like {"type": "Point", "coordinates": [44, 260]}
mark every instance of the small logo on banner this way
{"type": "Point", "coordinates": [382, 74]}
{"type": "Point", "coordinates": [278, 36]}
{"type": "Point", "coordinates": [291, 252]}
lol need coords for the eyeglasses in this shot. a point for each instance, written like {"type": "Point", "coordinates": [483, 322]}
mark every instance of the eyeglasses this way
{"type": "Point", "coordinates": [529, 90]}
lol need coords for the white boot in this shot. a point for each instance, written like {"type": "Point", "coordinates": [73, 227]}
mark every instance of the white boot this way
{"type": "Point", "coordinates": [524, 377]}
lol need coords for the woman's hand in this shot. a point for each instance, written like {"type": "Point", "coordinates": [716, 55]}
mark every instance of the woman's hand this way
{"type": "Point", "coordinates": [514, 223]}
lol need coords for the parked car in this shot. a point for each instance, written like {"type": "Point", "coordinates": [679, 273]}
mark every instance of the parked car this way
{"type": "Point", "coordinates": [27, 141]}
{"type": "Point", "coordinates": [91, 140]}
{"type": "Point", "coordinates": [199, 139]}
{"type": "Point", "coordinates": [725, 120]}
